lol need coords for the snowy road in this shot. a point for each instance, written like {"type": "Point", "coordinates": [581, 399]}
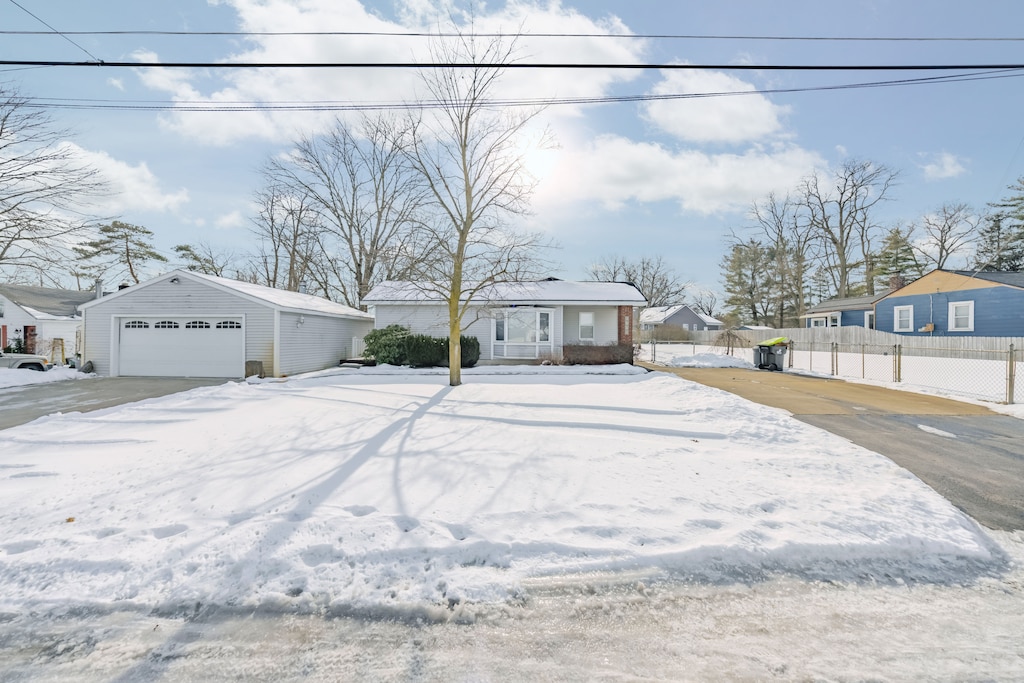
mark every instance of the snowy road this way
{"type": "Point", "coordinates": [576, 629]}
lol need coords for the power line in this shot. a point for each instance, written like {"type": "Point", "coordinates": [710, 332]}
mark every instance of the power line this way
{"type": "Point", "coordinates": [419, 34]}
{"type": "Point", "coordinates": [514, 65]}
{"type": "Point", "coordinates": [254, 106]}
{"type": "Point", "coordinates": [53, 30]}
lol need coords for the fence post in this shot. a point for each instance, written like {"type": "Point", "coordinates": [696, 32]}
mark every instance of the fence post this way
{"type": "Point", "coordinates": [1011, 375]}
{"type": "Point", "coordinates": [654, 352]}
{"type": "Point", "coordinates": [863, 361]}
{"type": "Point", "coordinates": [835, 359]}
{"type": "Point", "coordinates": [897, 363]}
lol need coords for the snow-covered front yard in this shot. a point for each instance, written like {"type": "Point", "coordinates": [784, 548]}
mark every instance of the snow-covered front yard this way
{"type": "Point", "coordinates": [386, 491]}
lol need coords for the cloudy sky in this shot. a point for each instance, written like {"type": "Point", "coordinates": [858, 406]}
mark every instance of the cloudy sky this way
{"type": "Point", "coordinates": [667, 177]}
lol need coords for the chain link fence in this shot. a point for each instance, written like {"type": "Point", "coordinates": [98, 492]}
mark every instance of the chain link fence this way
{"type": "Point", "coordinates": [985, 374]}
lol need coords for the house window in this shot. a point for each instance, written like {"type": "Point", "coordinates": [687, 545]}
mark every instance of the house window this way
{"type": "Point", "coordinates": [229, 325]}
{"type": "Point", "coordinates": [586, 326]}
{"type": "Point", "coordinates": [136, 325]}
{"type": "Point", "coordinates": [819, 322]}
{"type": "Point", "coordinates": [835, 319]}
{"type": "Point", "coordinates": [166, 325]}
{"type": "Point", "coordinates": [1, 309]}
{"type": "Point", "coordinates": [522, 333]}
{"type": "Point", "coordinates": [197, 325]}
{"type": "Point", "coordinates": [903, 318]}
{"type": "Point", "coordinates": [961, 316]}
{"type": "Point", "coordinates": [869, 319]}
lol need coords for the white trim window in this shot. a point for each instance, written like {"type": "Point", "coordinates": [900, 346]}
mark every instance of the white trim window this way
{"type": "Point", "coordinates": [903, 319]}
{"type": "Point", "coordinates": [961, 316]}
{"type": "Point", "coordinates": [869, 320]}
{"type": "Point", "coordinates": [522, 332]}
{"type": "Point", "coordinates": [586, 326]}
{"type": "Point", "coordinates": [819, 322]}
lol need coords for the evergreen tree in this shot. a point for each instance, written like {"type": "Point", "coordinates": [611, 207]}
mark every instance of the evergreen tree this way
{"type": "Point", "coordinates": [121, 249]}
{"type": "Point", "coordinates": [896, 258]}
{"type": "Point", "coordinates": [1001, 239]}
{"type": "Point", "coordinates": [750, 282]}
{"type": "Point", "coordinates": [999, 247]}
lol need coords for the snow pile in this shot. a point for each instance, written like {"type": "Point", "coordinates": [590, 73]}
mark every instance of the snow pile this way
{"type": "Point", "coordinates": [708, 360]}
{"type": "Point", "coordinates": [22, 378]}
{"type": "Point", "coordinates": [394, 492]}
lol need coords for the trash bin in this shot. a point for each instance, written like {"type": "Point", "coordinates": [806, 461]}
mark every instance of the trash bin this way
{"type": "Point", "coordinates": [770, 354]}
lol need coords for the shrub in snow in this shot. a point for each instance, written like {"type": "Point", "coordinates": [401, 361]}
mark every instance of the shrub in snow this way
{"type": "Point", "coordinates": [592, 354]}
{"type": "Point", "coordinates": [387, 345]}
{"type": "Point", "coordinates": [470, 351]}
{"type": "Point", "coordinates": [424, 351]}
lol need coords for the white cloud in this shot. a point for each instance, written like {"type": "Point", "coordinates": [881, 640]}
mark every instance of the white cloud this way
{"type": "Point", "coordinates": [379, 86]}
{"type": "Point", "coordinates": [234, 219]}
{"type": "Point", "coordinates": [942, 166]}
{"type": "Point", "coordinates": [131, 187]}
{"type": "Point", "coordinates": [729, 119]}
{"type": "Point", "coordinates": [614, 171]}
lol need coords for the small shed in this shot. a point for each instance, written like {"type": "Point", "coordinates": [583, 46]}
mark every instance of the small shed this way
{"type": "Point", "coordinates": [185, 324]}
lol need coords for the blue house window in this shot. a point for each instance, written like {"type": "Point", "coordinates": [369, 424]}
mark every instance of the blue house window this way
{"type": "Point", "coordinates": [961, 316]}
{"type": "Point", "coordinates": [903, 318]}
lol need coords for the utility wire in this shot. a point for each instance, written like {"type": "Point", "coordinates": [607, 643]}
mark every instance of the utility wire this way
{"type": "Point", "coordinates": [417, 34]}
{"type": "Point", "coordinates": [236, 106]}
{"type": "Point", "coordinates": [514, 65]}
{"type": "Point", "coordinates": [53, 30]}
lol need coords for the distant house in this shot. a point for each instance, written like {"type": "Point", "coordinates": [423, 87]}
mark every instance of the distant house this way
{"type": "Point", "coordinates": [38, 316]}
{"type": "Point", "coordinates": [518, 320]}
{"type": "Point", "coordinates": [682, 316]}
{"type": "Point", "coordinates": [956, 303]}
{"type": "Point", "coordinates": [185, 324]}
{"type": "Point", "coordinates": [858, 311]}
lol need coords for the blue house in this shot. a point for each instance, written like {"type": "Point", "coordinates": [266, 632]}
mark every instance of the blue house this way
{"type": "Point", "coordinates": [858, 311]}
{"type": "Point", "coordinates": [956, 303]}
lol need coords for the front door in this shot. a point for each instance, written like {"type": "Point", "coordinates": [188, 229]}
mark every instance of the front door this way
{"type": "Point", "coordinates": [30, 338]}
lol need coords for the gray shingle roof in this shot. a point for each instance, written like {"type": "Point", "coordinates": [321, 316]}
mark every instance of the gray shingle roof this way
{"type": "Point", "coordinates": [59, 302]}
{"type": "Point", "coordinates": [1014, 278]}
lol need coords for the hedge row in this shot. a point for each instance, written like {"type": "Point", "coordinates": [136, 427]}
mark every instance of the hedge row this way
{"type": "Point", "coordinates": [395, 345]}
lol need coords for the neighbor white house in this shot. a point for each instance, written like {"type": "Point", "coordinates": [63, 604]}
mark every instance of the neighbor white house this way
{"type": "Point", "coordinates": [518, 320]}
{"type": "Point", "coordinates": [46, 320]}
{"type": "Point", "coordinates": [185, 324]}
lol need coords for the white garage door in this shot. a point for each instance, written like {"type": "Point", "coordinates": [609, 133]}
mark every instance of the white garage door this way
{"type": "Point", "coordinates": [181, 347]}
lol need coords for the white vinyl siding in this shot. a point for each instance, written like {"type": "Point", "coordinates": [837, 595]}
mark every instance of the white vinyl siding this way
{"type": "Point", "coordinates": [606, 324]}
{"type": "Point", "coordinates": [311, 342]}
{"type": "Point", "coordinates": [903, 318]}
{"type": "Point", "coordinates": [961, 316]}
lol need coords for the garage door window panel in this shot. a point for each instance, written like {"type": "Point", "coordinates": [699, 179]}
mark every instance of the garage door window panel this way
{"type": "Point", "coordinates": [197, 325]}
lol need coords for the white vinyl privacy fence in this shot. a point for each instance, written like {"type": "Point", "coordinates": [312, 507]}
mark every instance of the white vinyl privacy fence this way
{"type": "Point", "coordinates": [976, 367]}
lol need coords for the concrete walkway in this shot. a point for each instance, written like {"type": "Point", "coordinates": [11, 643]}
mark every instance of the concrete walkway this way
{"type": "Point", "coordinates": [969, 454]}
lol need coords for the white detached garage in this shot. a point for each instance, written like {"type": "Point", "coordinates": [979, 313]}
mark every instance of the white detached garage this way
{"type": "Point", "coordinates": [185, 324]}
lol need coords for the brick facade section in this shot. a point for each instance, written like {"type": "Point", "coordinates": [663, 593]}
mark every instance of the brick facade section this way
{"type": "Point", "coordinates": [626, 324]}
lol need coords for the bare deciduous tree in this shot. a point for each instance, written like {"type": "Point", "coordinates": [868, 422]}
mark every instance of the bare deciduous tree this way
{"type": "Point", "coordinates": [658, 281]}
{"type": "Point", "coordinates": [43, 184]}
{"type": "Point", "coordinates": [359, 183]}
{"type": "Point", "coordinates": [793, 244]}
{"type": "Point", "coordinates": [288, 237]}
{"type": "Point", "coordinates": [947, 232]}
{"type": "Point", "coordinates": [465, 153]}
{"type": "Point", "coordinates": [840, 215]}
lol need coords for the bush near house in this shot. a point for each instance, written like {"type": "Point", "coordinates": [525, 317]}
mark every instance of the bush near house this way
{"type": "Point", "coordinates": [470, 350]}
{"type": "Point", "coordinates": [424, 351]}
{"type": "Point", "coordinates": [387, 345]}
{"type": "Point", "coordinates": [591, 354]}
{"type": "Point", "coordinates": [394, 345]}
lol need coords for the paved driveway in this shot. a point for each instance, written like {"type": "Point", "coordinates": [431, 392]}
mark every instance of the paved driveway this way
{"type": "Point", "coordinates": [19, 405]}
{"type": "Point", "coordinates": [969, 454]}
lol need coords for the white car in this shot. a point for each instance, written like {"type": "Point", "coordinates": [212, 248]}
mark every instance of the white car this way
{"type": "Point", "coordinates": [24, 361]}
